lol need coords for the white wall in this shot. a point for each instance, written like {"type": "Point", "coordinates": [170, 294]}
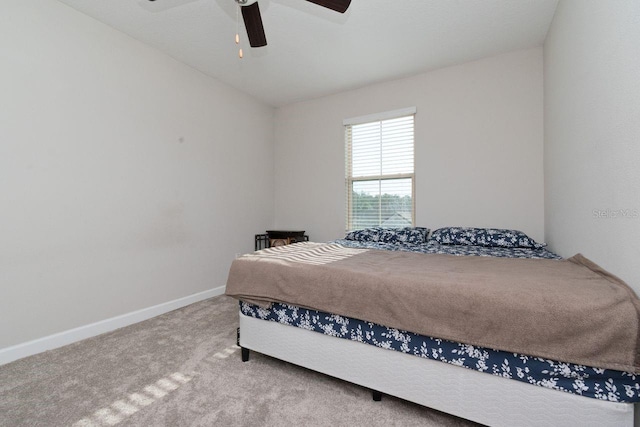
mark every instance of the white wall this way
{"type": "Point", "coordinates": [479, 148]}
{"type": "Point", "coordinates": [592, 133]}
{"type": "Point", "coordinates": [126, 178]}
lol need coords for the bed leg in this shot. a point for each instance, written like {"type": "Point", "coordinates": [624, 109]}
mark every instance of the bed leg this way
{"type": "Point", "coordinates": [245, 351]}
{"type": "Point", "coordinates": [377, 395]}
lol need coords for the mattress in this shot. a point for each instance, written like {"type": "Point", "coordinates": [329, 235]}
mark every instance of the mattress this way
{"type": "Point", "coordinates": [603, 384]}
{"type": "Point", "coordinates": [569, 310]}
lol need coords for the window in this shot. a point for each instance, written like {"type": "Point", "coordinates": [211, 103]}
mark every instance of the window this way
{"type": "Point", "coordinates": [380, 170]}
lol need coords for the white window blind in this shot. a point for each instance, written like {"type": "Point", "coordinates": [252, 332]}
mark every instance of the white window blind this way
{"type": "Point", "coordinates": [380, 173]}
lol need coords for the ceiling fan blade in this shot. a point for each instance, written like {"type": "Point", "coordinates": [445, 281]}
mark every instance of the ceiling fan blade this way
{"type": "Point", "coordinates": [337, 5]}
{"type": "Point", "coordinates": [253, 24]}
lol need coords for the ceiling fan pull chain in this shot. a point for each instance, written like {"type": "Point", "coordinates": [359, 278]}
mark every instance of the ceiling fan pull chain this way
{"type": "Point", "coordinates": [238, 30]}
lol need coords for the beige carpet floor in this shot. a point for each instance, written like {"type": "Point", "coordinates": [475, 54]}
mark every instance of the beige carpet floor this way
{"type": "Point", "coordinates": [183, 369]}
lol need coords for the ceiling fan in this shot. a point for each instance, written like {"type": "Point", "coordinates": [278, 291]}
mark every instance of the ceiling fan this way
{"type": "Point", "coordinates": [253, 20]}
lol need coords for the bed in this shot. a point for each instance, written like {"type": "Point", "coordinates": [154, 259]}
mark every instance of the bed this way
{"type": "Point", "coordinates": [498, 387]}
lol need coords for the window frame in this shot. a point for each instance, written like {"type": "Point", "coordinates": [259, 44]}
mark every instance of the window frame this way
{"type": "Point", "coordinates": [350, 179]}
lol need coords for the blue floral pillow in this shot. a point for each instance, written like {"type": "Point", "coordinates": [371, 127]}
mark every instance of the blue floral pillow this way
{"type": "Point", "coordinates": [493, 237]}
{"type": "Point", "coordinates": [414, 235]}
{"type": "Point", "coordinates": [364, 235]}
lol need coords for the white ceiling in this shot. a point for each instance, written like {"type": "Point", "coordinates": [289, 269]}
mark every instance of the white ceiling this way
{"type": "Point", "coordinates": [313, 51]}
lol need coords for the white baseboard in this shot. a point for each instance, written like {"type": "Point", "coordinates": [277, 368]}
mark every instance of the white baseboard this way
{"type": "Point", "coordinates": [9, 354]}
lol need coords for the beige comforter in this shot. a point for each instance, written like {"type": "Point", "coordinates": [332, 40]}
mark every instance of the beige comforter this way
{"type": "Point", "coordinates": [568, 310]}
